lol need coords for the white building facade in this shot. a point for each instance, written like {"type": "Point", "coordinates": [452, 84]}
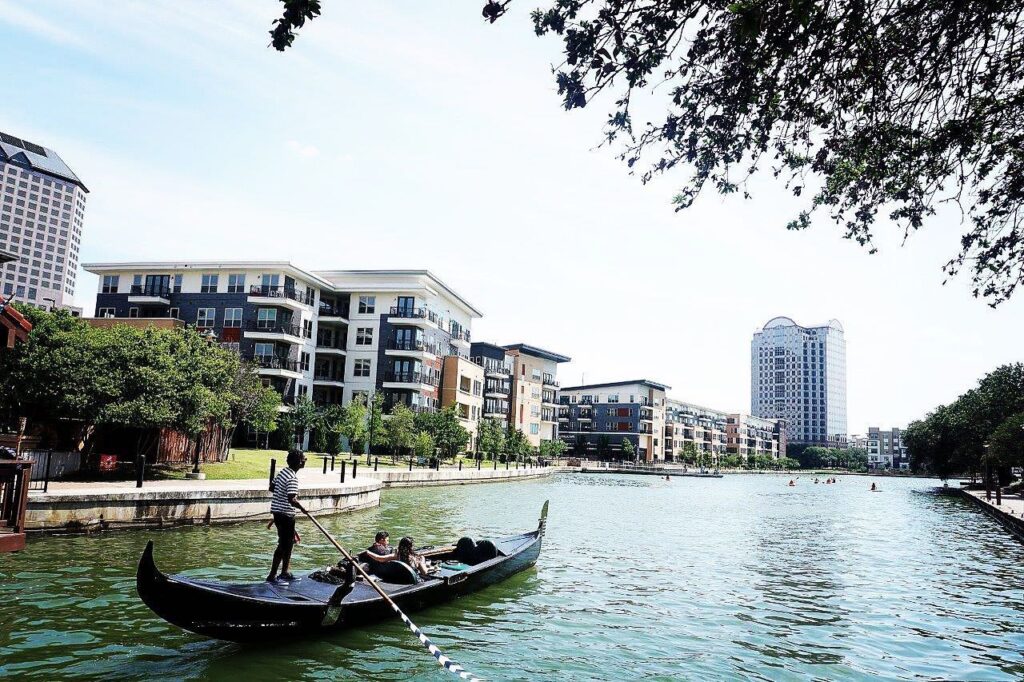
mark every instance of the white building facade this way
{"type": "Point", "coordinates": [42, 207]}
{"type": "Point", "coordinates": [798, 374]}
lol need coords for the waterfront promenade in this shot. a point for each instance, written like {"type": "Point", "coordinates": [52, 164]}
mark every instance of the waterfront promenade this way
{"type": "Point", "coordinates": [72, 506]}
{"type": "Point", "coordinates": [1010, 513]}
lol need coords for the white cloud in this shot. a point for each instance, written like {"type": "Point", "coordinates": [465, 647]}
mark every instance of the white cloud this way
{"type": "Point", "coordinates": [306, 151]}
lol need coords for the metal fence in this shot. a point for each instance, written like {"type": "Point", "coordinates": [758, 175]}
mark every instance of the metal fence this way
{"type": "Point", "coordinates": [48, 465]}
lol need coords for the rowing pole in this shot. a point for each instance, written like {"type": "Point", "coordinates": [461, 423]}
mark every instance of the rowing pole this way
{"type": "Point", "coordinates": [442, 660]}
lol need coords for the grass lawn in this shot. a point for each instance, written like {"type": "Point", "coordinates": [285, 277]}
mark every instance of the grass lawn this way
{"type": "Point", "coordinates": [245, 463]}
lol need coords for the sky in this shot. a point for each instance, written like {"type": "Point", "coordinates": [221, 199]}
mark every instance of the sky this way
{"type": "Point", "coordinates": [405, 134]}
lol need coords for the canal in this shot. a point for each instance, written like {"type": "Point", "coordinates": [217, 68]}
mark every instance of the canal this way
{"type": "Point", "coordinates": [640, 578]}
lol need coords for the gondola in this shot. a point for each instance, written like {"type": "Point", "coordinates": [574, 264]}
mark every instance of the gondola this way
{"type": "Point", "coordinates": [320, 601]}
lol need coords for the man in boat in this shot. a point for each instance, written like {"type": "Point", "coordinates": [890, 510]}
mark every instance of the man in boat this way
{"type": "Point", "coordinates": [283, 506]}
{"type": "Point", "coordinates": [380, 550]}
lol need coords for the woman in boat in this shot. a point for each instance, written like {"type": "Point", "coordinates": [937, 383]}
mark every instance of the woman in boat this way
{"type": "Point", "coordinates": [407, 555]}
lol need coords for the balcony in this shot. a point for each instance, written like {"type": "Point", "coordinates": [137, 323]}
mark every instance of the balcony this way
{"type": "Point", "coordinates": [271, 330]}
{"type": "Point", "coordinates": [327, 378]}
{"type": "Point", "coordinates": [284, 297]}
{"type": "Point", "coordinates": [420, 317]}
{"type": "Point", "coordinates": [150, 293]}
{"type": "Point", "coordinates": [330, 350]}
{"type": "Point", "coordinates": [547, 416]}
{"type": "Point", "coordinates": [549, 380]}
{"type": "Point", "coordinates": [548, 398]}
{"type": "Point", "coordinates": [332, 314]}
{"type": "Point", "coordinates": [417, 348]}
{"type": "Point", "coordinates": [273, 365]}
{"type": "Point", "coordinates": [460, 337]}
{"type": "Point", "coordinates": [415, 381]}
{"type": "Point", "coordinates": [646, 414]}
{"type": "Point", "coordinates": [496, 391]}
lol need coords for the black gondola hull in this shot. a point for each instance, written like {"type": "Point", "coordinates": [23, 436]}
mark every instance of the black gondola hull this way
{"type": "Point", "coordinates": [262, 611]}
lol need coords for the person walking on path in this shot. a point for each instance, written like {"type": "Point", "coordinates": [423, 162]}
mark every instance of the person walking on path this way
{"type": "Point", "coordinates": [283, 506]}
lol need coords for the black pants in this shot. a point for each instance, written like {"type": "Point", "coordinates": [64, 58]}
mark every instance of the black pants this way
{"type": "Point", "coordinates": [285, 531]}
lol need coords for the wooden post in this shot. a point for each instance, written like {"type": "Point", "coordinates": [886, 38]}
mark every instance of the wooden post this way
{"type": "Point", "coordinates": [273, 466]}
{"type": "Point", "coordinates": [376, 463]}
{"type": "Point", "coordinates": [460, 465]}
{"type": "Point", "coordinates": [410, 463]}
{"type": "Point", "coordinates": [140, 468]}
{"type": "Point", "coordinates": [344, 464]}
{"type": "Point", "coordinates": [354, 464]}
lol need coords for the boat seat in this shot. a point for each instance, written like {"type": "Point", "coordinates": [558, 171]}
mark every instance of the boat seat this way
{"type": "Point", "coordinates": [397, 572]}
{"type": "Point", "coordinates": [485, 551]}
{"type": "Point", "coordinates": [465, 551]}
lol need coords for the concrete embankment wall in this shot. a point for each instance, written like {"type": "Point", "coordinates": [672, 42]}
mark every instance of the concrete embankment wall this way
{"type": "Point", "coordinates": [430, 477]}
{"type": "Point", "coordinates": [102, 510]}
{"type": "Point", "coordinates": [1012, 523]}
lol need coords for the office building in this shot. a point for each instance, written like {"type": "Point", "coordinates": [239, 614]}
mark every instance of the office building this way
{"type": "Point", "coordinates": [42, 206]}
{"type": "Point", "coordinates": [798, 374]}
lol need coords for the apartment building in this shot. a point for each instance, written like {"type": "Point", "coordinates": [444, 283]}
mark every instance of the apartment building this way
{"type": "Point", "coordinates": [595, 419]}
{"type": "Point", "coordinates": [462, 385]}
{"type": "Point", "coordinates": [886, 449]}
{"type": "Point", "coordinates": [798, 374]}
{"type": "Point", "coordinates": [692, 428]}
{"type": "Point", "coordinates": [331, 335]}
{"type": "Point", "coordinates": [534, 398]}
{"type": "Point", "coordinates": [499, 367]}
{"type": "Point", "coordinates": [42, 207]}
{"type": "Point", "coordinates": [749, 436]}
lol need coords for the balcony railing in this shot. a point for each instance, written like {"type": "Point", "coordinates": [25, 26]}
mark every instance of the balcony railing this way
{"type": "Point", "coordinates": [328, 310]}
{"type": "Point", "coordinates": [274, 362]}
{"type": "Point", "coordinates": [497, 388]}
{"type": "Point", "coordinates": [548, 397]}
{"type": "Point", "coordinates": [460, 334]}
{"type": "Point", "coordinates": [549, 380]}
{"type": "Point", "coordinates": [267, 291]}
{"type": "Point", "coordinates": [413, 345]}
{"type": "Point", "coordinates": [150, 290]}
{"type": "Point", "coordinates": [410, 378]}
{"type": "Point", "coordinates": [408, 313]}
{"type": "Point", "coordinates": [273, 327]}
{"type": "Point", "coordinates": [329, 376]}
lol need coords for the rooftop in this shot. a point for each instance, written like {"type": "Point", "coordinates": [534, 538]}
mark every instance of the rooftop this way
{"type": "Point", "coordinates": [783, 321]}
{"type": "Point", "coordinates": [537, 352]}
{"type": "Point", "coordinates": [634, 382]}
{"type": "Point", "coordinates": [37, 158]}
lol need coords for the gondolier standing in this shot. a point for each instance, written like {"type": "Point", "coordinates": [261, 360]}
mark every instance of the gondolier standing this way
{"type": "Point", "coordinates": [283, 506]}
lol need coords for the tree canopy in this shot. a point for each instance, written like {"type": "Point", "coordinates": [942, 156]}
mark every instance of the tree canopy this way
{"type": "Point", "coordinates": [862, 109]}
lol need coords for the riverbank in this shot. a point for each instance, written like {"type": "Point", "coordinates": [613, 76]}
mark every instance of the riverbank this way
{"type": "Point", "coordinates": [1010, 514]}
{"type": "Point", "coordinates": [83, 507]}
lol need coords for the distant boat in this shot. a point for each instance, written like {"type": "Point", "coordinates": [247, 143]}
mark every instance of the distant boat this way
{"type": "Point", "coordinates": [260, 611]}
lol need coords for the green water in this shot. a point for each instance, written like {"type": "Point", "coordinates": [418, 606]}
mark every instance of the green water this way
{"type": "Point", "coordinates": [741, 577]}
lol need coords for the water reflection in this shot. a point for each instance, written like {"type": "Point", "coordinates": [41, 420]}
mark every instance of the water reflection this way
{"type": "Point", "coordinates": [740, 577]}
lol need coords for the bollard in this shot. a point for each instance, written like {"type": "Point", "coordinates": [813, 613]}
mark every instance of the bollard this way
{"type": "Point", "coordinates": [140, 467]}
{"type": "Point", "coordinates": [332, 462]}
{"type": "Point", "coordinates": [506, 464]}
{"type": "Point", "coordinates": [376, 461]}
{"type": "Point", "coordinates": [325, 466]}
{"type": "Point", "coordinates": [46, 472]}
{"type": "Point", "coordinates": [273, 465]}
{"type": "Point", "coordinates": [495, 463]}
{"type": "Point", "coordinates": [410, 464]}
{"type": "Point", "coordinates": [478, 462]}
{"type": "Point", "coordinates": [460, 465]}
{"type": "Point", "coordinates": [354, 463]}
{"type": "Point", "coordinates": [343, 471]}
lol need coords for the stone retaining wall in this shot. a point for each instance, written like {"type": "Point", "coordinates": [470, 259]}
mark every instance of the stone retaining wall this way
{"type": "Point", "coordinates": [430, 477]}
{"type": "Point", "coordinates": [1012, 523]}
{"type": "Point", "coordinates": [89, 511]}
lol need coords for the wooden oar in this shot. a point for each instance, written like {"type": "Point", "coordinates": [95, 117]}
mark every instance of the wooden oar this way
{"type": "Point", "coordinates": [442, 660]}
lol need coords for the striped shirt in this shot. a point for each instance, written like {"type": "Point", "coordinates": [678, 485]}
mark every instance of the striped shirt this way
{"type": "Point", "coordinates": [285, 483]}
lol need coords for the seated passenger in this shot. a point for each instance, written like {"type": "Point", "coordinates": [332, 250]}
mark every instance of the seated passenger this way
{"type": "Point", "coordinates": [380, 551]}
{"type": "Point", "coordinates": [414, 560]}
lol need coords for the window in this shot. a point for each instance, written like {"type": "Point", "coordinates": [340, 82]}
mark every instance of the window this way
{"type": "Point", "coordinates": [136, 280]}
{"type": "Point", "coordinates": [364, 336]}
{"type": "Point", "coordinates": [232, 317]}
{"type": "Point", "coordinates": [177, 284]}
{"type": "Point", "coordinates": [104, 312]}
{"type": "Point", "coordinates": [110, 284]}
{"type": "Point", "coordinates": [174, 313]}
{"type": "Point", "coordinates": [536, 374]}
{"type": "Point", "coordinates": [307, 328]}
{"type": "Point", "coordinates": [534, 429]}
{"type": "Point", "coordinates": [209, 284]}
{"type": "Point", "coordinates": [206, 317]}
{"type": "Point", "coordinates": [367, 305]}
{"type": "Point", "coordinates": [614, 398]}
{"type": "Point", "coordinates": [304, 361]}
{"type": "Point", "coordinates": [266, 318]}
{"type": "Point", "coordinates": [361, 368]}
{"type": "Point", "coordinates": [264, 349]}
{"type": "Point", "coordinates": [133, 312]}
{"type": "Point", "coordinates": [236, 283]}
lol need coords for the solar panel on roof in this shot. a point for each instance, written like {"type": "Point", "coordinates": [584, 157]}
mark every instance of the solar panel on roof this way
{"type": "Point", "coordinates": [11, 139]}
{"type": "Point", "coordinates": [34, 148]}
